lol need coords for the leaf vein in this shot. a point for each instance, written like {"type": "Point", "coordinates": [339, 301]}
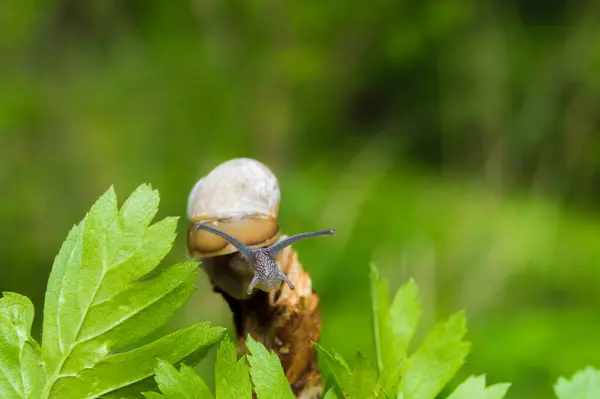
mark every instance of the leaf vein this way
{"type": "Point", "coordinates": [127, 317]}
{"type": "Point", "coordinates": [66, 355]}
{"type": "Point", "coordinates": [61, 299]}
{"type": "Point", "coordinates": [21, 348]}
{"type": "Point", "coordinates": [12, 385]}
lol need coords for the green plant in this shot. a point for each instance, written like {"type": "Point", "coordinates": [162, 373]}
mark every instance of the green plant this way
{"type": "Point", "coordinates": [232, 376]}
{"type": "Point", "coordinates": [104, 296]}
{"type": "Point", "coordinates": [424, 373]}
{"type": "Point", "coordinates": [100, 299]}
{"type": "Point", "coordinates": [420, 375]}
{"type": "Point", "coordinates": [585, 384]}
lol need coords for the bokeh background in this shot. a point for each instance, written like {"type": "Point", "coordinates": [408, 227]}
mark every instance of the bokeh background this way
{"type": "Point", "coordinates": [452, 141]}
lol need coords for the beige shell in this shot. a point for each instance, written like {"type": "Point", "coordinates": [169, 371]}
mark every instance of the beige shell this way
{"type": "Point", "coordinates": [241, 197]}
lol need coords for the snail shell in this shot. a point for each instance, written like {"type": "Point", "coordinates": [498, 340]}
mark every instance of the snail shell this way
{"type": "Point", "coordinates": [240, 197]}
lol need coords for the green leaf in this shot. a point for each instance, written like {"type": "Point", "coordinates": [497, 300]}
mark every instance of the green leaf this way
{"type": "Point", "coordinates": [338, 367]}
{"type": "Point", "coordinates": [120, 370]}
{"type": "Point", "coordinates": [474, 387]}
{"type": "Point", "coordinates": [100, 299]}
{"type": "Point", "coordinates": [585, 384]}
{"type": "Point", "coordinates": [389, 380]}
{"type": "Point", "coordinates": [185, 384]}
{"type": "Point", "coordinates": [394, 326]}
{"type": "Point", "coordinates": [435, 362]}
{"type": "Point", "coordinates": [132, 314]}
{"type": "Point", "coordinates": [134, 391]}
{"type": "Point", "coordinates": [404, 319]}
{"type": "Point", "coordinates": [364, 379]}
{"type": "Point", "coordinates": [330, 394]}
{"type": "Point", "coordinates": [232, 379]}
{"type": "Point", "coordinates": [140, 208]}
{"type": "Point", "coordinates": [358, 383]}
{"type": "Point", "coordinates": [267, 373]}
{"type": "Point", "coordinates": [66, 263]}
{"type": "Point", "coordinates": [380, 302]}
{"type": "Point", "coordinates": [21, 369]}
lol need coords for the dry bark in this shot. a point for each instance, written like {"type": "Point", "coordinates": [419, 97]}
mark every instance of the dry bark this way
{"type": "Point", "coordinates": [285, 321]}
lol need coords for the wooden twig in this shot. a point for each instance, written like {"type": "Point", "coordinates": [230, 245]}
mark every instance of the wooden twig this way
{"type": "Point", "coordinates": [285, 321]}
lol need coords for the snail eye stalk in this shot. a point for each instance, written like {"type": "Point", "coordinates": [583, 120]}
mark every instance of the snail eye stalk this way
{"type": "Point", "coordinates": [286, 279]}
{"type": "Point", "coordinates": [277, 247]}
{"type": "Point", "coordinates": [253, 283]}
{"type": "Point", "coordinates": [245, 250]}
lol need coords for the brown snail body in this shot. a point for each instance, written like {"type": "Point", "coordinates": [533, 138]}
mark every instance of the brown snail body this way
{"type": "Point", "coordinates": [233, 228]}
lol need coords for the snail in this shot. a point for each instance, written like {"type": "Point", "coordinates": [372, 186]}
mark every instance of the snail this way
{"type": "Point", "coordinates": [233, 228]}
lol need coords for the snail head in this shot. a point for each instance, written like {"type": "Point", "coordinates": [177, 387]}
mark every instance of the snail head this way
{"type": "Point", "coordinates": [267, 275]}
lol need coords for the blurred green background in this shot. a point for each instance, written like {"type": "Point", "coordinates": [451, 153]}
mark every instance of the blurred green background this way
{"type": "Point", "coordinates": [452, 141]}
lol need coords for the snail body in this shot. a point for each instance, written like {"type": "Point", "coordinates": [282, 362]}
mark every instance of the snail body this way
{"type": "Point", "coordinates": [233, 228]}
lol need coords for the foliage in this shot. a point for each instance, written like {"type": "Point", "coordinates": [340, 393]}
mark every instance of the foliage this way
{"type": "Point", "coordinates": [474, 387]}
{"type": "Point", "coordinates": [585, 384]}
{"type": "Point", "coordinates": [104, 297]}
{"type": "Point", "coordinates": [424, 373]}
{"type": "Point", "coordinates": [183, 384]}
{"type": "Point", "coordinates": [231, 374]}
{"type": "Point", "coordinates": [267, 373]}
{"type": "Point", "coordinates": [97, 303]}
{"type": "Point", "coordinates": [420, 375]}
{"type": "Point", "coordinates": [232, 377]}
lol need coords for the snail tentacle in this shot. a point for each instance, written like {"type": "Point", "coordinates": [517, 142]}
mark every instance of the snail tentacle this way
{"type": "Point", "coordinates": [277, 247]}
{"type": "Point", "coordinates": [286, 279]}
{"type": "Point", "coordinates": [245, 250]}
{"type": "Point", "coordinates": [254, 281]}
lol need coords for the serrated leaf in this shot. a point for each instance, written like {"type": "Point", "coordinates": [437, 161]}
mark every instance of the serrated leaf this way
{"type": "Point", "coordinates": [76, 266]}
{"type": "Point", "coordinates": [21, 369]}
{"type": "Point", "coordinates": [395, 325]}
{"type": "Point", "coordinates": [65, 263]}
{"type": "Point", "coordinates": [330, 383]}
{"type": "Point", "coordinates": [267, 373]}
{"type": "Point", "coordinates": [474, 388]}
{"type": "Point", "coordinates": [117, 371]}
{"type": "Point", "coordinates": [585, 384]}
{"type": "Point", "coordinates": [435, 362]}
{"type": "Point", "coordinates": [182, 384]}
{"type": "Point", "coordinates": [388, 381]}
{"type": "Point", "coordinates": [338, 367]}
{"type": "Point", "coordinates": [232, 379]}
{"type": "Point", "coordinates": [393, 328]}
{"type": "Point", "coordinates": [358, 383]}
{"type": "Point", "coordinates": [363, 381]}
{"type": "Point", "coordinates": [140, 208]}
{"type": "Point", "coordinates": [148, 252]}
{"type": "Point", "coordinates": [330, 394]}
{"type": "Point", "coordinates": [96, 302]}
{"type": "Point", "coordinates": [131, 315]}
{"type": "Point", "coordinates": [134, 391]}
{"type": "Point", "coordinates": [405, 313]}
{"type": "Point", "coordinates": [380, 302]}
{"type": "Point", "coordinates": [110, 396]}
{"type": "Point", "coordinates": [140, 396]}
